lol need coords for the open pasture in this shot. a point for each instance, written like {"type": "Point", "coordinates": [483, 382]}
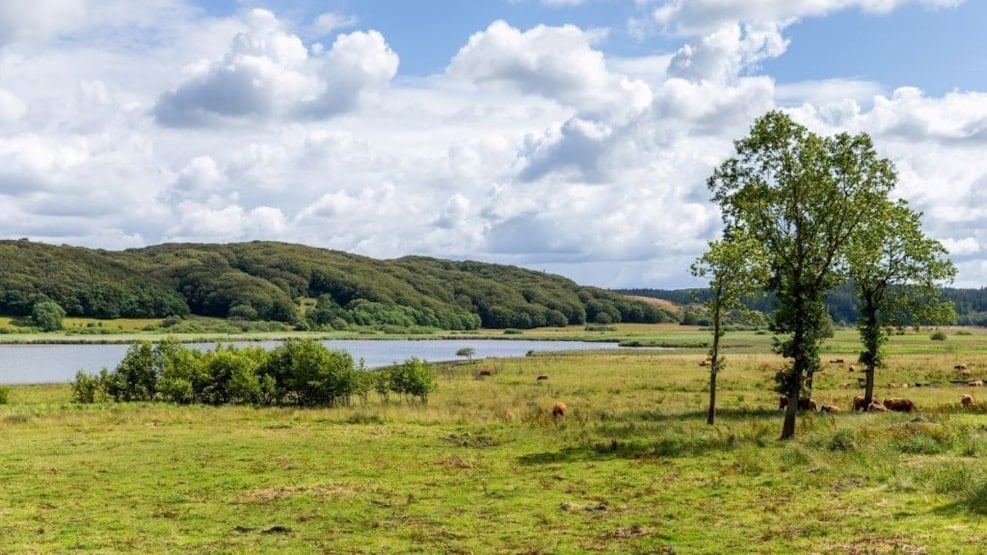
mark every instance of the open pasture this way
{"type": "Point", "coordinates": [485, 468]}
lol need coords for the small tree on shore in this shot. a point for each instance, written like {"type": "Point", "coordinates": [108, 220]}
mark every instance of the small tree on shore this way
{"type": "Point", "coordinates": [467, 352]}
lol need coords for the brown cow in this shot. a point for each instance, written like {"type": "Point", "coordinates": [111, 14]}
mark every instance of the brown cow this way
{"type": "Point", "coordinates": [804, 404]}
{"type": "Point", "coordinates": [965, 373]}
{"type": "Point", "coordinates": [899, 404]}
{"type": "Point", "coordinates": [960, 367]}
{"type": "Point", "coordinates": [829, 408]}
{"type": "Point", "coordinates": [967, 400]}
{"type": "Point", "coordinates": [874, 407]}
{"type": "Point", "coordinates": [976, 383]}
{"type": "Point", "coordinates": [559, 409]}
{"type": "Point", "coordinates": [836, 361]}
{"type": "Point", "coordinates": [483, 373]}
{"type": "Point", "coordinates": [851, 368]}
{"type": "Point", "coordinates": [541, 378]}
{"type": "Point", "coordinates": [859, 403]}
{"type": "Point", "coordinates": [703, 363]}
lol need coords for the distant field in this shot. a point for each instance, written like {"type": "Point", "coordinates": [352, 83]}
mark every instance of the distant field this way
{"type": "Point", "coordinates": [484, 468]}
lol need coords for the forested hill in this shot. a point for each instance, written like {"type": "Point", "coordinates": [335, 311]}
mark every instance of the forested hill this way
{"type": "Point", "coordinates": [269, 281]}
{"type": "Point", "coordinates": [970, 304]}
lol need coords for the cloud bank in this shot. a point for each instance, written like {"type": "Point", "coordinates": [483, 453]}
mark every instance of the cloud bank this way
{"type": "Point", "coordinates": [534, 146]}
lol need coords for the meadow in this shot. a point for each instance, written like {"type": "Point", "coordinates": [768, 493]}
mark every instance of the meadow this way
{"type": "Point", "coordinates": [485, 468]}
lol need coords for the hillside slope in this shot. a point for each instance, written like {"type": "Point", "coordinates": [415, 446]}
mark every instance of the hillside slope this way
{"type": "Point", "coordinates": [266, 280]}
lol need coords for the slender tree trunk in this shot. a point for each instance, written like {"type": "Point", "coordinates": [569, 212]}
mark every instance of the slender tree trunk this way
{"type": "Point", "coordinates": [869, 390]}
{"type": "Point", "coordinates": [794, 388]}
{"type": "Point", "coordinates": [799, 367]}
{"type": "Point", "coordinates": [715, 366]}
{"type": "Point", "coordinates": [872, 344]}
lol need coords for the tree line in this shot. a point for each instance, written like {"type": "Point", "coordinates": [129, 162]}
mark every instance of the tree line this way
{"type": "Point", "coordinates": [842, 304]}
{"type": "Point", "coordinates": [299, 372]}
{"type": "Point", "coordinates": [268, 281]}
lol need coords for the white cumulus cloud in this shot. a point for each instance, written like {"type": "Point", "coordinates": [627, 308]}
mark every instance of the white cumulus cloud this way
{"type": "Point", "coordinates": [558, 63]}
{"type": "Point", "coordinates": [269, 73]}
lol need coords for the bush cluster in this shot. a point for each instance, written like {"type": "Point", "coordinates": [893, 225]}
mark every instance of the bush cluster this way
{"type": "Point", "coordinates": [298, 372]}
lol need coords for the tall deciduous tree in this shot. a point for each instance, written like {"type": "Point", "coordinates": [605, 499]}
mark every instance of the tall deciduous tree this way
{"type": "Point", "coordinates": [736, 268]}
{"type": "Point", "coordinates": [803, 197]}
{"type": "Point", "coordinates": [898, 274]}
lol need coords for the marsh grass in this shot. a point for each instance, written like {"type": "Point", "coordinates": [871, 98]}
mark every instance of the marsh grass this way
{"type": "Point", "coordinates": [485, 468]}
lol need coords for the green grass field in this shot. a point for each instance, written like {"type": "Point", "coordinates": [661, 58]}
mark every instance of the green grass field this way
{"type": "Point", "coordinates": [484, 468]}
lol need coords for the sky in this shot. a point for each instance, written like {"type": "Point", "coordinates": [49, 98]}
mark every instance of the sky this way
{"type": "Point", "coordinates": [567, 136]}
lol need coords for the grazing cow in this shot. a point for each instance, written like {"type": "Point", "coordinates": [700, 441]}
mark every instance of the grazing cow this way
{"type": "Point", "coordinates": [803, 403]}
{"type": "Point", "coordinates": [859, 403]}
{"type": "Point", "coordinates": [836, 361]}
{"type": "Point", "coordinates": [965, 373]}
{"type": "Point", "coordinates": [704, 363]}
{"type": "Point", "coordinates": [829, 408]}
{"type": "Point", "coordinates": [976, 383]}
{"type": "Point", "coordinates": [559, 409]}
{"type": "Point", "coordinates": [899, 404]}
{"type": "Point", "coordinates": [483, 373]}
{"type": "Point", "coordinates": [851, 368]}
{"type": "Point", "coordinates": [541, 378]}
{"type": "Point", "coordinates": [966, 400]}
{"type": "Point", "coordinates": [960, 367]}
{"type": "Point", "coordinates": [874, 407]}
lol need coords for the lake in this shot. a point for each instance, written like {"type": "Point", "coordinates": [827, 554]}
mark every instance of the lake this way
{"type": "Point", "coordinates": [22, 364]}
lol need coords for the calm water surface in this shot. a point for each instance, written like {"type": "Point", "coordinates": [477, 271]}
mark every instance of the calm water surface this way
{"type": "Point", "coordinates": [58, 363]}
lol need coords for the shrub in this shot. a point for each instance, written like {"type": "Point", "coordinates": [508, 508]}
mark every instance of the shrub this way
{"type": "Point", "coordinates": [414, 377]}
{"type": "Point", "coordinates": [171, 321]}
{"type": "Point", "coordinates": [85, 387]}
{"type": "Point", "coordinates": [47, 315]}
{"type": "Point", "coordinates": [4, 395]}
{"type": "Point", "coordinates": [843, 440]}
{"type": "Point", "coordinates": [513, 331]}
{"type": "Point", "coordinates": [938, 336]}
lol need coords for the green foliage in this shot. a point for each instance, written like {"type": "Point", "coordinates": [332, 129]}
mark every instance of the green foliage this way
{"type": "Point", "coordinates": [264, 280]}
{"type": "Point", "coordinates": [307, 373]}
{"type": "Point", "coordinates": [938, 335]}
{"type": "Point", "coordinates": [242, 312]}
{"type": "Point", "coordinates": [85, 388]}
{"type": "Point", "coordinates": [298, 372]}
{"type": "Point", "coordinates": [898, 274]}
{"type": "Point", "coordinates": [467, 352]}
{"type": "Point", "coordinates": [47, 315]}
{"type": "Point", "coordinates": [414, 378]}
{"type": "Point", "coordinates": [84, 282]}
{"type": "Point", "coordinates": [798, 200]}
{"type": "Point", "coordinates": [4, 395]}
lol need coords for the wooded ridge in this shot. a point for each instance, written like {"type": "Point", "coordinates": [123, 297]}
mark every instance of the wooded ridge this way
{"type": "Point", "coordinates": [270, 280]}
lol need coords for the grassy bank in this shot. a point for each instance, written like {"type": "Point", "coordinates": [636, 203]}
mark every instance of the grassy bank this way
{"type": "Point", "coordinates": [484, 468]}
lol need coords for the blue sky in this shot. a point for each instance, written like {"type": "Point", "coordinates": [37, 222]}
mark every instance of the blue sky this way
{"type": "Point", "coordinates": [572, 136]}
{"type": "Point", "coordinates": [934, 48]}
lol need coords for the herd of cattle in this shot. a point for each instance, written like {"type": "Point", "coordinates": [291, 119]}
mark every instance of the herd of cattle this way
{"type": "Point", "coordinates": [896, 404]}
